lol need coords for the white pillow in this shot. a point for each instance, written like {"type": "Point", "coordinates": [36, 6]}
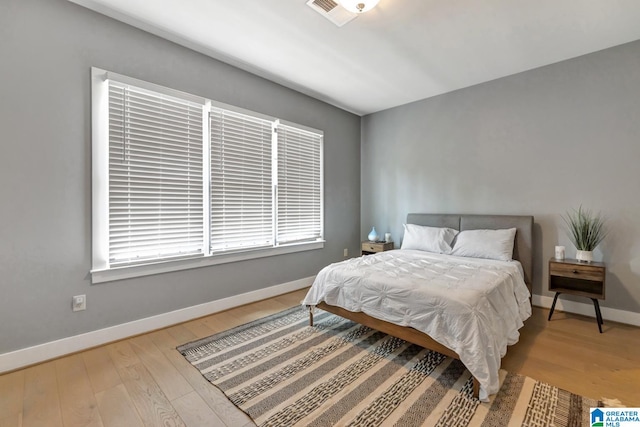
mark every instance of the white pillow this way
{"type": "Point", "coordinates": [430, 239]}
{"type": "Point", "coordinates": [492, 244]}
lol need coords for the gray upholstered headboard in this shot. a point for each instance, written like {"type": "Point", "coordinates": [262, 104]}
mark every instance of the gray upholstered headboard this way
{"type": "Point", "coordinates": [522, 249]}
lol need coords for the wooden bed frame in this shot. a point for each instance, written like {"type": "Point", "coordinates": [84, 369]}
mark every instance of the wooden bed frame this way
{"type": "Point", "coordinates": [522, 251]}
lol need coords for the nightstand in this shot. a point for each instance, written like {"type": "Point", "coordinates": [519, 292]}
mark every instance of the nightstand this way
{"type": "Point", "coordinates": [369, 248]}
{"type": "Point", "coordinates": [570, 276]}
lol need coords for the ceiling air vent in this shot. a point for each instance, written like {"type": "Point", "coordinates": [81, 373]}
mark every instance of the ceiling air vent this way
{"type": "Point", "coordinates": [332, 11]}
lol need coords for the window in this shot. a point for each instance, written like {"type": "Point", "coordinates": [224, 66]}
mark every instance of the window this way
{"type": "Point", "coordinates": [241, 181]}
{"type": "Point", "coordinates": [299, 185]}
{"type": "Point", "coordinates": [180, 181]}
{"type": "Point", "coordinates": [155, 176]}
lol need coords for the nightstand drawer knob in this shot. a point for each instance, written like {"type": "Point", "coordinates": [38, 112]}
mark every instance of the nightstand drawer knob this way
{"type": "Point", "coordinates": [576, 272]}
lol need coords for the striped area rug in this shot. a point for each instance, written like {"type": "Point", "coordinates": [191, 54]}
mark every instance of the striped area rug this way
{"type": "Point", "coordinates": [282, 372]}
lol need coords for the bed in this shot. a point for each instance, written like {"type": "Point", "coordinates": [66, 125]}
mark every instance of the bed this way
{"type": "Point", "coordinates": [467, 308]}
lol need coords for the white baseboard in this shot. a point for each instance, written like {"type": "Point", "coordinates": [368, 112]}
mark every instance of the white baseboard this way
{"type": "Point", "coordinates": [51, 350]}
{"type": "Point", "coordinates": [613, 314]}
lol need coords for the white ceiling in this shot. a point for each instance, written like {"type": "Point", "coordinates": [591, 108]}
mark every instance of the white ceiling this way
{"type": "Point", "coordinates": [401, 51]}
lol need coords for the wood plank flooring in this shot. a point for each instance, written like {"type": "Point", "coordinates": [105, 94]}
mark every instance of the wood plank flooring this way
{"type": "Point", "coordinates": [144, 381]}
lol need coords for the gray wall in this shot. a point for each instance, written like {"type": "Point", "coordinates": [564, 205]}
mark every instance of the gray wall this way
{"type": "Point", "coordinates": [46, 50]}
{"type": "Point", "coordinates": [540, 142]}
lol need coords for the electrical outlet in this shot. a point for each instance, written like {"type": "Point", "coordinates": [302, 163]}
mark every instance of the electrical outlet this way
{"type": "Point", "coordinates": [79, 303]}
{"type": "Point", "coordinates": [346, 252]}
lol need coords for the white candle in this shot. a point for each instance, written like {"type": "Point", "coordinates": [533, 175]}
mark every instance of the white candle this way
{"type": "Point", "coordinates": [560, 252]}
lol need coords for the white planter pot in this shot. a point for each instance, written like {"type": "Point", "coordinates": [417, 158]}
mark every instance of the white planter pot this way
{"type": "Point", "coordinates": [584, 256]}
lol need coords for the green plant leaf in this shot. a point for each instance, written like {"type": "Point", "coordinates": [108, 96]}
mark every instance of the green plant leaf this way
{"type": "Point", "coordinates": [586, 229]}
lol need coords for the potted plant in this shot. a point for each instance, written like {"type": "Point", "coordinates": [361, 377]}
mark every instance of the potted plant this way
{"type": "Point", "coordinates": [586, 231]}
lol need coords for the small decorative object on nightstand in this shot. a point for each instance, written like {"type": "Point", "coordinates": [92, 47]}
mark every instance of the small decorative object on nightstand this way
{"type": "Point", "coordinates": [570, 276]}
{"type": "Point", "coordinates": [586, 231]}
{"type": "Point", "coordinates": [369, 248]}
{"type": "Point", "coordinates": [373, 235]}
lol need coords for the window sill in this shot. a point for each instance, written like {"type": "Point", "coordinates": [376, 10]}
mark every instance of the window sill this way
{"type": "Point", "coordinates": [129, 272]}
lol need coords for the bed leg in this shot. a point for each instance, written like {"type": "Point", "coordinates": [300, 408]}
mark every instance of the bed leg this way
{"type": "Point", "coordinates": [310, 315]}
{"type": "Point", "coordinates": [476, 388]}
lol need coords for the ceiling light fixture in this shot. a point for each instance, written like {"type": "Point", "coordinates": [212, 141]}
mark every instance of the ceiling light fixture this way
{"type": "Point", "coordinates": [358, 6]}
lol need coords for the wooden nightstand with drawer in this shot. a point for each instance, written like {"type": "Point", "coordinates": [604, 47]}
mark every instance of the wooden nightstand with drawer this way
{"type": "Point", "coordinates": [368, 248]}
{"type": "Point", "coordinates": [570, 276]}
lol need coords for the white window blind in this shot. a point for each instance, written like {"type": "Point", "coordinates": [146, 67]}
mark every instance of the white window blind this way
{"type": "Point", "coordinates": [241, 182]}
{"type": "Point", "coordinates": [155, 176]}
{"type": "Point", "coordinates": [299, 188]}
{"type": "Point", "coordinates": [181, 181]}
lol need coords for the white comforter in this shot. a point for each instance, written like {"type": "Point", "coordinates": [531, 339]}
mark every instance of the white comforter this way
{"type": "Point", "coordinates": [473, 306]}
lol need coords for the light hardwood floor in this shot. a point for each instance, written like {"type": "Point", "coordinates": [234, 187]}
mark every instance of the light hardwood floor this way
{"type": "Point", "coordinates": [144, 381]}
